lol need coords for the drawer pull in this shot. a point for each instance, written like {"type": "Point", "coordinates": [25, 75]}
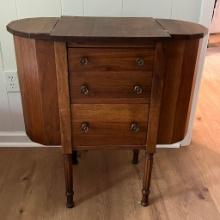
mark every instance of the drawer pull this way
{"type": "Point", "coordinates": [135, 127]}
{"type": "Point", "coordinates": [84, 127]}
{"type": "Point", "coordinates": [138, 90]}
{"type": "Point", "coordinates": [84, 61]}
{"type": "Point", "coordinates": [84, 89]}
{"type": "Point", "coordinates": [140, 61]}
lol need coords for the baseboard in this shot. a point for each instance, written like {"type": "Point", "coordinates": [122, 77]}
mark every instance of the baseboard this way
{"type": "Point", "coordinates": [16, 139]}
{"type": "Point", "coordinates": [21, 144]}
{"type": "Point", "coordinates": [176, 145]}
{"type": "Point", "coordinates": [20, 139]}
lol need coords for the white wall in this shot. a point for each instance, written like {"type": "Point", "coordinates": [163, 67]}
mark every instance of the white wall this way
{"type": "Point", "coordinates": [10, 107]}
{"type": "Point", "coordinates": [215, 26]}
{"type": "Point", "coordinates": [204, 19]}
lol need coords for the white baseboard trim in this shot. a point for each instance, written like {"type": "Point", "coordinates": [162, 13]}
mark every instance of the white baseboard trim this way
{"type": "Point", "coordinates": [12, 133]}
{"type": "Point", "coordinates": [16, 139]}
{"type": "Point", "coordinates": [176, 145]}
{"type": "Point", "coordinates": [21, 144]}
{"type": "Point", "coordinates": [20, 139]}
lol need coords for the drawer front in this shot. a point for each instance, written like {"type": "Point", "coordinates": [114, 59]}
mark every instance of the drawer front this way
{"type": "Point", "coordinates": [106, 124]}
{"type": "Point", "coordinates": [110, 59]}
{"type": "Point", "coordinates": [110, 87]}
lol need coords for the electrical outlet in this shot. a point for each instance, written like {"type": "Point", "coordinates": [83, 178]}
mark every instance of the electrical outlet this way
{"type": "Point", "coordinates": [12, 82]}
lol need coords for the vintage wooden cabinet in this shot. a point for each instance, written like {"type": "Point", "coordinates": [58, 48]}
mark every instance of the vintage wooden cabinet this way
{"type": "Point", "coordinates": [106, 83]}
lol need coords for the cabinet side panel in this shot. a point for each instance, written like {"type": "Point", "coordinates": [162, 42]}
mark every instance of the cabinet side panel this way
{"type": "Point", "coordinates": [186, 89]}
{"type": "Point", "coordinates": [37, 79]}
{"type": "Point", "coordinates": [181, 58]}
{"type": "Point", "coordinates": [29, 86]}
{"type": "Point", "coordinates": [174, 51]}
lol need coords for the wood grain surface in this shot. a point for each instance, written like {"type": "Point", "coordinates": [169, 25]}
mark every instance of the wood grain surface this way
{"type": "Point", "coordinates": [110, 74]}
{"type": "Point", "coordinates": [156, 98]}
{"type": "Point", "coordinates": [37, 79]}
{"type": "Point", "coordinates": [63, 96]}
{"type": "Point", "coordinates": [110, 87]}
{"type": "Point", "coordinates": [183, 29]}
{"type": "Point", "coordinates": [181, 56]}
{"type": "Point", "coordinates": [105, 29]}
{"type": "Point", "coordinates": [33, 27]}
{"type": "Point", "coordinates": [108, 59]}
{"type": "Point", "coordinates": [109, 124]}
{"type": "Point", "coordinates": [174, 111]}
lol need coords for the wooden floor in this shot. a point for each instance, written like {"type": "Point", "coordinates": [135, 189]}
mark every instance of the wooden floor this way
{"type": "Point", "coordinates": [214, 40]}
{"type": "Point", "coordinates": [185, 182]}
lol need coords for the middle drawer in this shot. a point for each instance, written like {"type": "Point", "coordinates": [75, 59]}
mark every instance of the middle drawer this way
{"type": "Point", "coordinates": [110, 75]}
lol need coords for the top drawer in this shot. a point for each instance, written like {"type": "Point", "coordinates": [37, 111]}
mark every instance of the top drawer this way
{"type": "Point", "coordinates": [110, 59]}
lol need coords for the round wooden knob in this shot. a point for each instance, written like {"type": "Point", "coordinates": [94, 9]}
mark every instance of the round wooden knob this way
{"type": "Point", "coordinates": [138, 90]}
{"type": "Point", "coordinates": [84, 127]}
{"type": "Point", "coordinates": [135, 127]}
{"type": "Point", "coordinates": [84, 61]}
{"type": "Point", "coordinates": [140, 61]}
{"type": "Point", "coordinates": [84, 89]}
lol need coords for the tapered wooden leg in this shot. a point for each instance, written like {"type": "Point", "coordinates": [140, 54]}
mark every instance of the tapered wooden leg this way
{"type": "Point", "coordinates": [147, 178]}
{"type": "Point", "coordinates": [68, 170]}
{"type": "Point", "coordinates": [135, 156]}
{"type": "Point", "coordinates": [75, 157]}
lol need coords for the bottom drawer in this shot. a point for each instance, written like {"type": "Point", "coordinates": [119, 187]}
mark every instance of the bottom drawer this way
{"type": "Point", "coordinates": [109, 124]}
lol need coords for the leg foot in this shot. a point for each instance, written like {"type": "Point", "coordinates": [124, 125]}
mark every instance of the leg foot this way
{"type": "Point", "coordinates": [147, 179]}
{"type": "Point", "coordinates": [75, 157]}
{"type": "Point", "coordinates": [68, 171]}
{"type": "Point", "coordinates": [69, 200]}
{"type": "Point", "coordinates": [135, 156]}
{"type": "Point", "coordinates": [145, 195]}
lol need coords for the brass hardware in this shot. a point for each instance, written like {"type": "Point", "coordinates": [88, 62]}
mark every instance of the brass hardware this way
{"type": "Point", "coordinates": [140, 61]}
{"type": "Point", "coordinates": [84, 89]}
{"type": "Point", "coordinates": [84, 127]}
{"type": "Point", "coordinates": [84, 61]}
{"type": "Point", "coordinates": [138, 90]}
{"type": "Point", "coordinates": [135, 127]}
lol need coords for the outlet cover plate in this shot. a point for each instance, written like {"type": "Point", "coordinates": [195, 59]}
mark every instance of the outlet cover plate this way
{"type": "Point", "coordinates": [12, 84]}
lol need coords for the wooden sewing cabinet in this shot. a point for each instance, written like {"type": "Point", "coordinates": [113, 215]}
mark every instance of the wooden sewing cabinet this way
{"type": "Point", "coordinates": [106, 83]}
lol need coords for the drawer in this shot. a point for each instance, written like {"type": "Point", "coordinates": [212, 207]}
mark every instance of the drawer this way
{"type": "Point", "coordinates": [110, 87]}
{"type": "Point", "coordinates": [110, 59]}
{"type": "Point", "coordinates": [106, 124]}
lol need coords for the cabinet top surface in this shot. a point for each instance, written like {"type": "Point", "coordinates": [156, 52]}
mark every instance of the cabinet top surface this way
{"type": "Point", "coordinates": [69, 28]}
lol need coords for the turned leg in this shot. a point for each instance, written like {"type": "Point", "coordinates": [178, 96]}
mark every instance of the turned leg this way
{"type": "Point", "coordinates": [75, 157]}
{"type": "Point", "coordinates": [135, 156]}
{"type": "Point", "coordinates": [147, 178]}
{"type": "Point", "coordinates": [68, 170]}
